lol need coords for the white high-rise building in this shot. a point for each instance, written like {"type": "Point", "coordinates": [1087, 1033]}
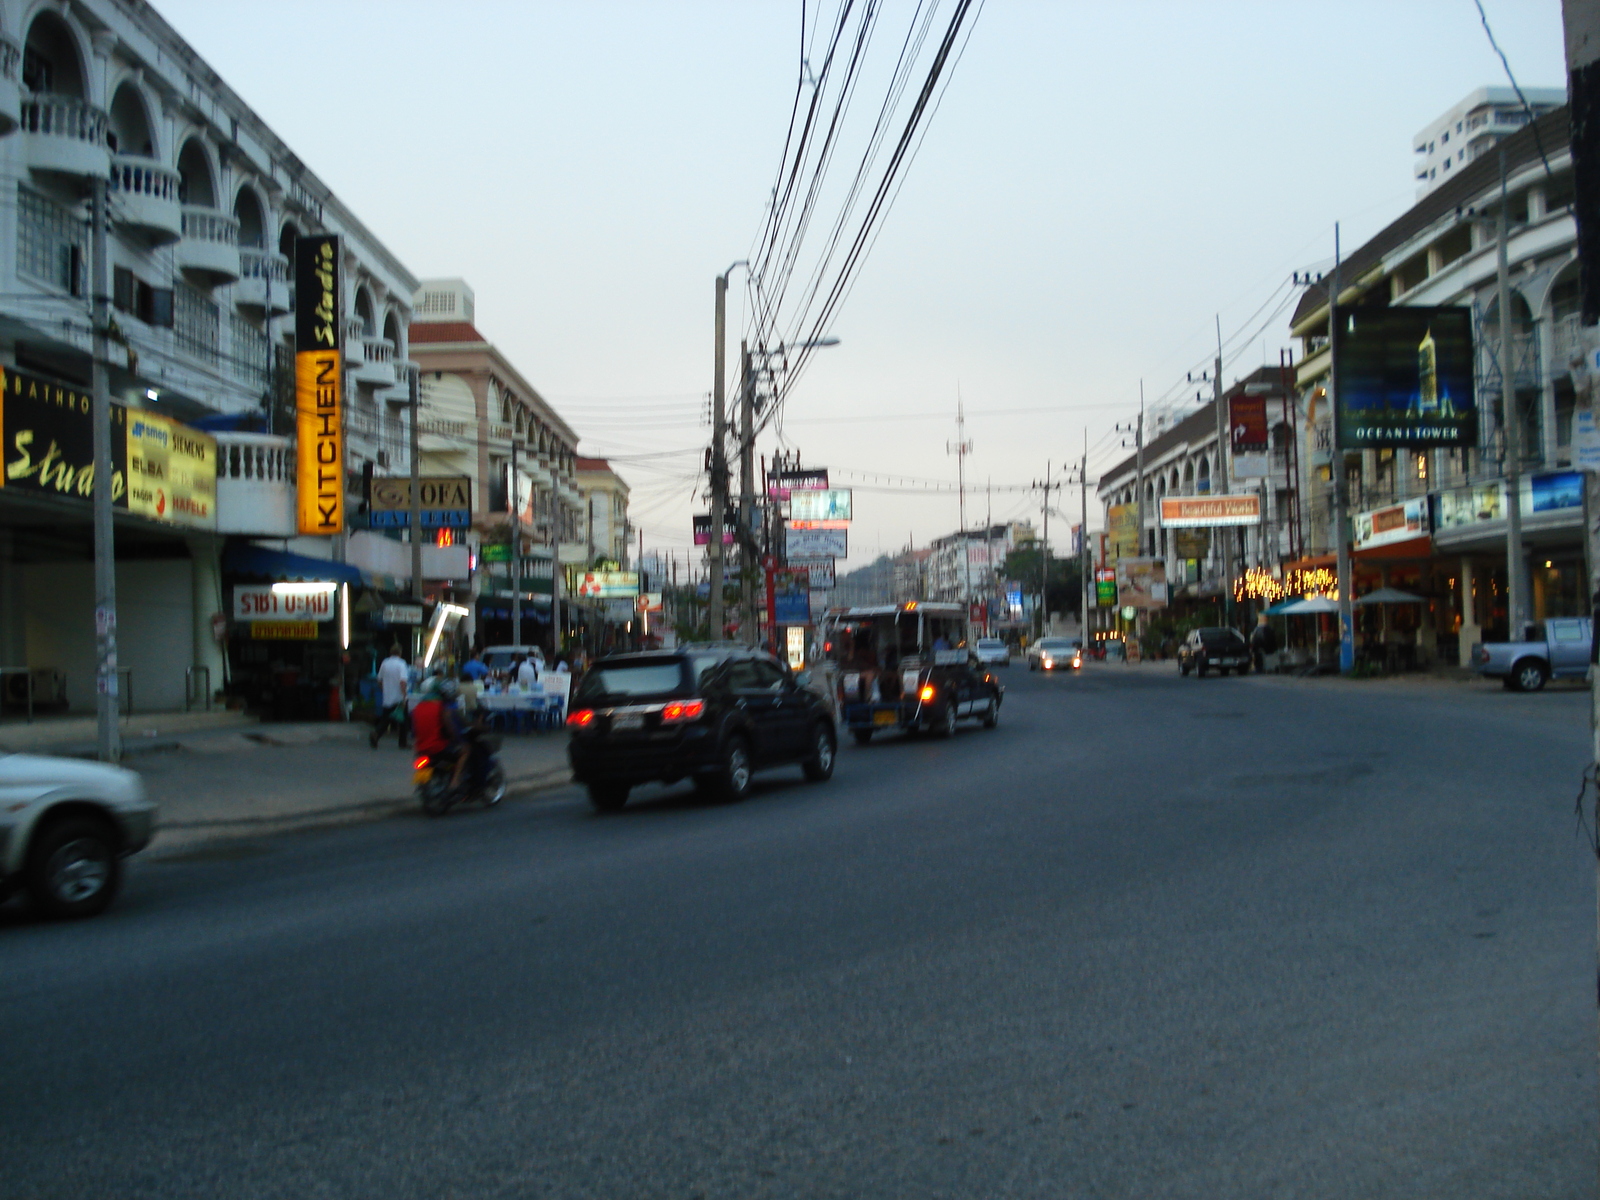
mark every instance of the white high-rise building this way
{"type": "Point", "coordinates": [1473, 127]}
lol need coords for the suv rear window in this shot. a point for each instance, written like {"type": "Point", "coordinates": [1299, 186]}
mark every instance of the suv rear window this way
{"type": "Point", "coordinates": [1221, 637]}
{"type": "Point", "coordinates": [633, 679]}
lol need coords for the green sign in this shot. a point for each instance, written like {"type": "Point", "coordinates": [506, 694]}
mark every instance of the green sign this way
{"type": "Point", "coordinates": [496, 551]}
{"type": "Point", "coordinates": [1105, 588]}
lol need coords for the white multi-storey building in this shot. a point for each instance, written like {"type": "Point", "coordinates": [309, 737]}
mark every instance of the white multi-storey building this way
{"type": "Point", "coordinates": [1472, 128]}
{"type": "Point", "coordinates": [204, 205]}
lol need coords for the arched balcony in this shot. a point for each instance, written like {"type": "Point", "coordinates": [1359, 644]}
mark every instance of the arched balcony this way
{"type": "Point", "coordinates": [263, 284]}
{"type": "Point", "coordinates": [66, 135]}
{"type": "Point", "coordinates": [209, 249]}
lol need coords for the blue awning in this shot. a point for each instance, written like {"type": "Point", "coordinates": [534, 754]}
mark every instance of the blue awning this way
{"type": "Point", "coordinates": [241, 558]}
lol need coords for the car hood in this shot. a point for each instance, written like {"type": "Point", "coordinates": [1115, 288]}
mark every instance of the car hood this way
{"type": "Point", "coordinates": [91, 780]}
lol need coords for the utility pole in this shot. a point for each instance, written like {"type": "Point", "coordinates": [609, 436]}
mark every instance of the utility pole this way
{"type": "Point", "coordinates": [988, 552]}
{"type": "Point", "coordinates": [719, 459]}
{"type": "Point", "coordinates": [109, 737]}
{"type": "Point", "coordinates": [1581, 25]}
{"type": "Point", "coordinates": [414, 388]}
{"type": "Point", "coordinates": [748, 553]}
{"type": "Point", "coordinates": [1084, 557]}
{"type": "Point", "coordinates": [515, 566]}
{"type": "Point", "coordinates": [1341, 498]}
{"type": "Point", "coordinates": [961, 449]}
{"type": "Point", "coordinates": [1516, 586]}
{"type": "Point", "coordinates": [1044, 557]}
{"type": "Point", "coordinates": [555, 560]}
{"type": "Point", "coordinates": [1219, 477]}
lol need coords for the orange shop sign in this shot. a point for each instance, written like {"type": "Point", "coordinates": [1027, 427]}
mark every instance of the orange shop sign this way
{"type": "Point", "coordinates": [1196, 512]}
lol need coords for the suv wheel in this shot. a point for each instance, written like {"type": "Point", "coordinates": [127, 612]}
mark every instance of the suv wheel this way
{"type": "Point", "coordinates": [73, 868]}
{"type": "Point", "coordinates": [992, 717]}
{"type": "Point", "coordinates": [733, 779]}
{"type": "Point", "coordinates": [947, 720]}
{"type": "Point", "coordinates": [824, 748]}
{"type": "Point", "coordinates": [608, 797]}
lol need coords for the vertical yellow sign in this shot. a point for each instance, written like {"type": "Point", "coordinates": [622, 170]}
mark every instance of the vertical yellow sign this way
{"type": "Point", "coordinates": [320, 438]}
{"type": "Point", "coordinates": [318, 384]}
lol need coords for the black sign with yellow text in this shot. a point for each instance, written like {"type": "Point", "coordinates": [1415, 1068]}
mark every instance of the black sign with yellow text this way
{"type": "Point", "coordinates": [319, 386]}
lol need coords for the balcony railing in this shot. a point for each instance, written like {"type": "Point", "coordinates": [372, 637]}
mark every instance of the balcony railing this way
{"type": "Point", "coordinates": [379, 350]}
{"type": "Point", "coordinates": [135, 176]}
{"type": "Point", "coordinates": [255, 263]}
{"type": "Point", "coordinates": [64, 117]}
{"type": "Point", "coordinates": [209, 225]}
{"type": "Point", "coordinates": [10, 59]}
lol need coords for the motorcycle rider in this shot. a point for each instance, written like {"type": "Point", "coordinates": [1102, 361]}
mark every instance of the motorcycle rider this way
{"type": "Point", "coordinates": [436, 727]}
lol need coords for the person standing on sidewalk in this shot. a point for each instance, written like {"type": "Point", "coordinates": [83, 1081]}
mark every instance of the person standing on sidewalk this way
{"type": "Point", "coordinates": [1263, 641]}
{"type": "Point", "coordinates": [527, 676]}
{"type": "Point", "coordinates": [393, 678]}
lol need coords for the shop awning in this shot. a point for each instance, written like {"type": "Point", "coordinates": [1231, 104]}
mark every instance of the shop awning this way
{"type": "Point", "coordinates": [282, 566]}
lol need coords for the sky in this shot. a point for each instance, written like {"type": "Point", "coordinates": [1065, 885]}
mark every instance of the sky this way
{"type": "Point", "coordinates": [1099, 186]}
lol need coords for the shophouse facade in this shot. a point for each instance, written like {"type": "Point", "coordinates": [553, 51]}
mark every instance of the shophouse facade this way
{"type": "Point", "coordinates": [1443, 251]}
{"type": "Point", "coordinates": [604, 496]}
{"type": "Point", "coordinates": [204, 205]}
{"type": "Point", "coordinates": [481, 418]}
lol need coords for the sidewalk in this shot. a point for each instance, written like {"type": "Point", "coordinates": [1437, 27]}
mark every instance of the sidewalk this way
{"type": "Point", "coordinates": [251, 779]}
{"type": "Point", "coordinates": [75, 736]}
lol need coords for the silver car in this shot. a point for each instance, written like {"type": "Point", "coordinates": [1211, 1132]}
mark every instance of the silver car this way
{"type": "Point", "coordinates": [992, 652]}
{"type": "Point", "coordinates": [1055, 654]}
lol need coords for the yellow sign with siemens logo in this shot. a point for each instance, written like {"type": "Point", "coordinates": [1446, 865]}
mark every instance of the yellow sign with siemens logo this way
{"type": "Point", "coordinates": [318, 387]}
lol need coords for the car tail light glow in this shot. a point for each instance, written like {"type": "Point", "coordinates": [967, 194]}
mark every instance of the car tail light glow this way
{"type": "Point", "coordinates": [926, 693]}
{"type": "Point", "coordinates": [581, 717]}
{"type": "Point", "coordinates": [680, 711]}
{"type": "Point", "coordinates": [422, 761]}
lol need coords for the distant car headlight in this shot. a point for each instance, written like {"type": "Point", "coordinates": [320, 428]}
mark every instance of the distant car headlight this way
{"type": "Point", "coordinates": [1049, 662]}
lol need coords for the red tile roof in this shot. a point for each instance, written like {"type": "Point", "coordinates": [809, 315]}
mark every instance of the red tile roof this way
{"type": "Point", "coordinates": [444, 331]}
{"type": "Point", "coordinates": [592, 464]}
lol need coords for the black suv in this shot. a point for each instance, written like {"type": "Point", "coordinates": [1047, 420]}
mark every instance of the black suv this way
{"type": "Point", "coordinates": [715, 714]}
{"type": "Point", "coordinates": [1214, 646]}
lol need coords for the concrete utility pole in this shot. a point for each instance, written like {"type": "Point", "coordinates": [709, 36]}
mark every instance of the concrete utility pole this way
{"type": "Point", "coordinates": [515, 566]}
{"type": "Point", "coordinates": [555, 561]}
{"type": "Point", "coordinates": [719, 458]}
{"type": "Point", "coordinates": [1581, 21]}
{"type": "Point", "coordinates": [1341, 498]}
{"type": "Point", "coordinates": [1044, 558]}
{"type": "Point", "coordinates": [1084, 558]}
{"type": "Point", "coordinates": [749, 625]}
{"type": "Point", "coordinates": [414, 387]}
{"type": "Point", "coordinates": [109, 737]}
{"type": "Point", "coordinates": [1516, 567]}
{"type": "Point", "coordinates": [1219, 477]}
{"type": "Point", "coordinates": [961, 449]}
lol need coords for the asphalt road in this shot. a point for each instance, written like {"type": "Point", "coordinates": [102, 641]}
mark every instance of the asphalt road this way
{"type": "Point", "coordinates": [1151, 937]}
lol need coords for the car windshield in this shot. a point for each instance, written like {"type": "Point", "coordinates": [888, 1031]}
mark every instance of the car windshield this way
{"type": "Point", "coordinates": [1054, 644]}
{"type": "Point", "coordinates": [990, 643]}
{"type": "Point", "coordinates": [632, 679]}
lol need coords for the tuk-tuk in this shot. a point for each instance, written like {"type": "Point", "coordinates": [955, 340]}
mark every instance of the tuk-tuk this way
{"type": "Point", "coordinates": [906, 666]}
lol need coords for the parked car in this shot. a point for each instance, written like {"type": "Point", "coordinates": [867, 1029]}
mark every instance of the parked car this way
{"type": "Point", "coordinates": [714, 714]}
{"type": "Point", "coordinates": [1555, 649]}
{"type": "Point", "coordinates": [65, 827]}
{"type": "Point", "coordinates": [993, 652]}
{"type": "Point", "coordinates": [1214, 647]}
{"type": "Point", "coordinates": [1055, 654]}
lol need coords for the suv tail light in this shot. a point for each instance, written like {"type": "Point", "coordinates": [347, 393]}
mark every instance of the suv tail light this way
{"type": "Point", "coordinates": [680, 711]}
{"type": "Point", "coordinates": [581, 717]}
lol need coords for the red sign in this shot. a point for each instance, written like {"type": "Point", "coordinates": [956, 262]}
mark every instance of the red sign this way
{"type": "Point", "coordinates": [1247, 418]}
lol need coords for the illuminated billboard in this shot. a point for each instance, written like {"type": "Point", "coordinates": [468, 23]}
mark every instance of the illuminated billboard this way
{"type": "Point", "coordinates": [1405, 378]}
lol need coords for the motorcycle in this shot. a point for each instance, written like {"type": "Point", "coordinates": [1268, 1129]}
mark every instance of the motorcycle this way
{"type": "Point", "coordinates": [432, 780]}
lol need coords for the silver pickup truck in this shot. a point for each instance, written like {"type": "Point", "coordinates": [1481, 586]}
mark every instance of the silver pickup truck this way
{"type": "Point", "coordinates": [1555, 649]}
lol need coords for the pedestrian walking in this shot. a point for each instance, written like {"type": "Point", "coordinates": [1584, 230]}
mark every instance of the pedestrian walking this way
{"type": "Point", "coordinates": [394, 680]}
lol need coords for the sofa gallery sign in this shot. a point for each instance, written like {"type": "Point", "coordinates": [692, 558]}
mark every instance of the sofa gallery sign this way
{"type": "Point", "coordinates": [160, 469]}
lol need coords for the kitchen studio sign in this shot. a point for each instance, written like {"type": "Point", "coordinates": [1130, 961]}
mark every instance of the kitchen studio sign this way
{"type": "Point", "coordinates": [160, 468]}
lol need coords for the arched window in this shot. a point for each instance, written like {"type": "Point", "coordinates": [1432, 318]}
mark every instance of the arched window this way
{"type": "Point", "coordinates": [364, 313]}
{"type": "Point", "coordinates": [286, 240]}
{"type": "Point", "coordinates": [128, 131]}
{"type": "Point", "coordinates": [391, 330]}
{"type": "Point", "coordinates": [194, 173]}
{"type": "Point", "coordinates": [50, 59]}
{"type": "Point", "coordinates": [252, 222]}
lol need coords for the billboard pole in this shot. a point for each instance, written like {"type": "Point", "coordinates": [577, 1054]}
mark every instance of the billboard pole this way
{"type": "Point", "coordinates": [1341, 500]}
{"type": "Point", "coordinates": [1516, 589]}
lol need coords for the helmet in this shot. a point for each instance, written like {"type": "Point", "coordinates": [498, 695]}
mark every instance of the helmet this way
{"type": "Point", "coordinates": [449, 689]}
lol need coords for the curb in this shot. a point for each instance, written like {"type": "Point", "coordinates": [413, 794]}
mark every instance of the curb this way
{"type": "Point", "coordinates": [205, 832]}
